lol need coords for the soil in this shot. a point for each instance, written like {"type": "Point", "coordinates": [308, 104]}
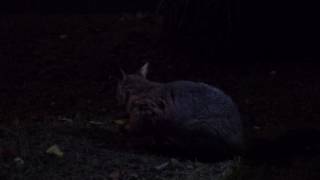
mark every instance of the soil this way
{"type": "Point", "coordinates": [58, 75]}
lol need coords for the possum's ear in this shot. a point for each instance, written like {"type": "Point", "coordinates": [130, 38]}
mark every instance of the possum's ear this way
{"type": "Point", "coordinates": [124, 75]}
{"type": "Point", "coordinates": [144, 70]}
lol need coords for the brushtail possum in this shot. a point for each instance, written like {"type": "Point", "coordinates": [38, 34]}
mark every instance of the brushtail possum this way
{"type": "Point", "coordinates": [190, 115]}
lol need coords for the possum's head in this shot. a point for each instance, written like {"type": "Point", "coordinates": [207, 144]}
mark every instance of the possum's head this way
{"type": "Point", "coordinates": [132, 84]}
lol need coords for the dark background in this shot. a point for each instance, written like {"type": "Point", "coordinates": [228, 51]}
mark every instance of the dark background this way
{"type": "Point", "coordinates": [281, 30]}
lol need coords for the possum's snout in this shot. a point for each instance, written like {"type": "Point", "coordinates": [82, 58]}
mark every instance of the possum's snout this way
{"type": "Point", "coordinates": [131, 130]}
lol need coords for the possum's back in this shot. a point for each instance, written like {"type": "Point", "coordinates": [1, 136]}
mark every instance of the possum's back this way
{"type": "Point", "coordinates": [199, 99]}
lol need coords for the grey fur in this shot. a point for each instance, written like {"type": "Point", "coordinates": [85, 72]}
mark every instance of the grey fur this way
{"type": "Point", "coordinates": [181, 113]}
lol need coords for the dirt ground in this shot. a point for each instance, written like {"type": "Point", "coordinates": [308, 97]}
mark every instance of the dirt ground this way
{"type": "Point", "coordinates": [58, 77]}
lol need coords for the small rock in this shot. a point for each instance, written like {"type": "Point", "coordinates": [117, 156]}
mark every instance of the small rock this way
{"type": "Point", "coordinates": [63, 36]}
{"type": "Point", "coordinates": [19, 161]}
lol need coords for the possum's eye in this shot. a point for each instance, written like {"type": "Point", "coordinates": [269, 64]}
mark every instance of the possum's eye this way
{"type": "Point", "coordinates": [122, 94]}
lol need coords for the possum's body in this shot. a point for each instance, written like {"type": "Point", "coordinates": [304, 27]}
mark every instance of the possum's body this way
{"type": "Point", "coordinates": [203, 108]}
{"type": "Point", "coordinates": [185, 114]}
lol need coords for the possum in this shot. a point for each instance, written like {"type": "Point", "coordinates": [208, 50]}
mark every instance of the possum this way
{"type": "Point", "coordinates": [190, 115]}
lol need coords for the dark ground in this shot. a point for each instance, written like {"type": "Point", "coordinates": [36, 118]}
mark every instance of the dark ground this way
{"type": "Point", "coordinates": [58, 76]}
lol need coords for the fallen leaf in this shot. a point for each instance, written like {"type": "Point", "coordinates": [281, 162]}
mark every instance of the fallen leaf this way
{"type": "Point", "coordinates": [120, 121]}
{"type": "Point", "coordinates": [162, 166]}
{"type": "Point", "coordinates": [65, 119]}
{"type": "Point", "coordinates": [96, 122]}
{"type": "Point", "coordinates": [55, 150]}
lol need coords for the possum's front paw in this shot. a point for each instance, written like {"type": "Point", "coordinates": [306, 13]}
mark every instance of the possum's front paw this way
{"type": "Point", "coordinates": [134, 128]}
{"type": "Point", "coordinates": [140, 125]}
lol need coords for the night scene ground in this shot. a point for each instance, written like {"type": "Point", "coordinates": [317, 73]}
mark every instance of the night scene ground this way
{"type": "Point", "coordinates": [60, 119]}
